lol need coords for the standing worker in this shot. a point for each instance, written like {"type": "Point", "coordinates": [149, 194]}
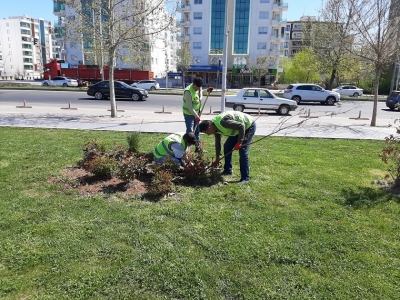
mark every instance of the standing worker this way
{"type": "Point", "coordinates": [192, 96]}
{"type": "Point", "coordinates": [240, 129]}
{"type": "Point", "coordinates": [174, 147]}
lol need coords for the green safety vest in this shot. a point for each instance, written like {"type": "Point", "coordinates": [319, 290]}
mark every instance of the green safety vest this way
{"type": "Point", "coordinates": [196, 101]}
{"type": "Point", "coordinates": [164, 148]}
{"type": "Point", "coordinates": [237, 116]}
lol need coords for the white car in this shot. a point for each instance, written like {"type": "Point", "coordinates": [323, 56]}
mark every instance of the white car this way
{"type": "Point", "coordinates": [60, 81]}
{"type": "Point", "coordinates": [306, 92]}
{"type": "Point", "coordinates": [146, 84]}
{"type": "Point", "coordinates": [259, 98]}
{"type": "Point", "coordinates": [348, 90]}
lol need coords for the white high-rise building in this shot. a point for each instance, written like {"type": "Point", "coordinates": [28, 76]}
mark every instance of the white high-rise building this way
{"type": "Point", "coordinates": [256, 33]}
{"type": "Point", "coordinates": [25, 46]}
{"type": "Point", "coordinates": [161, 57]}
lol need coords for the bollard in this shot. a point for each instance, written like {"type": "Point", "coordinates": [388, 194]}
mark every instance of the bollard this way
{"type": "Point", "coordinates": [163, 111]}
{"type": "Point", "coordinates": [69, 106]}
{"type": "Point", "coordinates": [24, 106]}
{"type": "Point", "coordinates": [308, 116]}
{"type": "Point", "coordinates": [359, 117]}
{"type": "Point", "coordinates": [116, 106]}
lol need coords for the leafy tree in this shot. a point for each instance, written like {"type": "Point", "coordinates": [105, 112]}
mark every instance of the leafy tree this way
{"type": "Point", "coordinates": [375, 37]}
{"type": "Point", "coordinates": [184, 58]}
{"type": "Point", "coordinates": [329, 37]}
{"type": "Point", "coordinates": [304, 67]}
{"type": "Point", "coordinates": [109, 25]}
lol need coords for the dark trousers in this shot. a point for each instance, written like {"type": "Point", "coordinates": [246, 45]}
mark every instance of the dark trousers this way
{"type": "Point", "coordinates": [243, 153]}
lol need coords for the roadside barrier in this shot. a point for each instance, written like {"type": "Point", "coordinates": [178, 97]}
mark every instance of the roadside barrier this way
{"type": "Point", "coordinates": [163, 111]}
{"type": "Point", "coordinates": [69, 106]}
{"type": "Point", "coordinates": [24, 106]}
{"type": "Point", "coordinates": [209, 113]}
{"type": "Point", "coordinates": [119, 110]}
{"type": "Point", "coordinates": [359, 117]}
{"type": "Point", "coordinates": [308, 115]}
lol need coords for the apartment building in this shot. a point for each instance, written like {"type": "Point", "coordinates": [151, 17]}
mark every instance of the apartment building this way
{"type": "Point", "coordinates": [255, 29]}
{"type": "Point", "coordinates": [161, 57]}
{"type": "Point", "coordinates": [296, 30]}
{"type": "Point", "coordinates": [25, 46]}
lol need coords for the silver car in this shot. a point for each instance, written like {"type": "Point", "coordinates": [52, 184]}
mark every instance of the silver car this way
{"type": "Point", "coordinates": [146, 84]}
{"type": "Point", "coordinates": [259, 99]}
{"type": "Point", "coordinates": [60, 81]}
{"type": "Point", "coordinates": [307, 92]}
{"type": "Point", "coordinates": [348, 90]}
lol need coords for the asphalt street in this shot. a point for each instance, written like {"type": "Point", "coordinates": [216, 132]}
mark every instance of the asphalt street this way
{"type": "Point", "coordinates": [300, 124]}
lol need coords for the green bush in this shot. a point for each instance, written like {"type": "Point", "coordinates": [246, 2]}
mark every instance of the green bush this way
{"type": "Point", "coordinates": [391, 156]}
{"type": "Point", "coordinates": [134, 142]}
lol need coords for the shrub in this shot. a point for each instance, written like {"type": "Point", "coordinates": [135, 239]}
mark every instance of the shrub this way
{"type": "Point", "coordinates": [134, 142]}
{"type": "Point", "coordinates": [161, 184]}
{"type": "Point", "coordinates": [104, 167]}
{"type": "Point", "coordinates": [391, 156]}
{"type": "Point", "coordinates": [131, 167]}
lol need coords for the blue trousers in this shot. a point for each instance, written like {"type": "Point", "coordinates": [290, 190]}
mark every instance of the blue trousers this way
{"type": "Point", "coordinates": [189, 122]}
{"type": "Point", "coordinates": [243, 153]}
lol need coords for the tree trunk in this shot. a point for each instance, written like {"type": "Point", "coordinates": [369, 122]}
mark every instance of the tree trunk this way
{"type": "Point", "coordinates": [112, 90]}
{"type": "Point", "coordinates": [331, 79]}
{"type": "Point", "coordinates": [375, 108]}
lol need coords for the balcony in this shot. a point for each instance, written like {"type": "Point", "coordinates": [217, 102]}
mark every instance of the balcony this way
{"type": "Point", "coordinates": [279, 6]}
{"type": "Point", "coordinates": [58, 7]}
{"type": "Point", "coordinates": [183, 23]}
{"type": "Point", "coordinates": [278, 21]}
{"type": "Point", "coordinates": [183, 7]}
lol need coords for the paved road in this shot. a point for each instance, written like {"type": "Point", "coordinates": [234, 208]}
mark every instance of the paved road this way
{"type": "Point", "coordinates": [147, 117]}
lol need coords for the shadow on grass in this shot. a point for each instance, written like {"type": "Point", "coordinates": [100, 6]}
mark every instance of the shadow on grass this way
{"type": "Point", "coordinates": [369, 197]}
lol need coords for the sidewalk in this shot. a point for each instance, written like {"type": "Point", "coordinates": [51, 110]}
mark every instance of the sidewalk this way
{"type": "Point", "coordinates": [298, 125]}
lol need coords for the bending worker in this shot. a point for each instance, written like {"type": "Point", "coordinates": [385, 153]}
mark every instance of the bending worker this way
{"type": "Point", "coordinates": [192, 96]}
{"type": "Point", "coordinates": [240, 129]}
{"type": "Point", "coordinates": [174, 147]}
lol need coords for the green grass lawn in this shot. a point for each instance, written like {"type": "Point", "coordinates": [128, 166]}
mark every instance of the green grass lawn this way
{"type": "Point", "coordinates": [309, 225]}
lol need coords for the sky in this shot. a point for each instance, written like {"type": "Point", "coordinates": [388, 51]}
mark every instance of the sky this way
{"type": "Point", "coordinates": [44, 9]}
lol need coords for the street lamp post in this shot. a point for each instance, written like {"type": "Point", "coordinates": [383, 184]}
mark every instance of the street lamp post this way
{"type": "Point", "coordinates": [225, 59]}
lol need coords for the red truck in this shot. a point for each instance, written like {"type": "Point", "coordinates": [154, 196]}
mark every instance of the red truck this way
{"type": "Point", "coordinates": [92, 74]}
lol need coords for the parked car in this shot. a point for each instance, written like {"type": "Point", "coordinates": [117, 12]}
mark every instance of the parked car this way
{"type": "Point", "coordinates": [81, 82]}
{"type": "Point", "coordinates": [101, 90]}
{"type": "Point", "coordinates": [306, 92]}
{"type": "Point", "coordinates": [348, 90]}
{"type": "Point", "coordinates": [393, 100]}
{"type": "Point", "coordinates": [259, 98]}
{"type": "Point", "coordinates": [60, 81]}
{"type": "Point", "coordinates": [147, 85]}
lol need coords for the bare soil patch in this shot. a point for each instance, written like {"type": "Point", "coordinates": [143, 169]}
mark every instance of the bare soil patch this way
{"type": "Point", "coordinates": [75, 178]}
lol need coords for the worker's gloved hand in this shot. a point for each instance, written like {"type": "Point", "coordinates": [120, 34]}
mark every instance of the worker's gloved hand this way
{"type": "Point", "coordinates": [216, 163]}
{"type": "Point", "coordinates": [197, 120]}
{"type": "Point", "coordinates": [237, 146]}
{"type": "Point", "coordinates": [209, 89]}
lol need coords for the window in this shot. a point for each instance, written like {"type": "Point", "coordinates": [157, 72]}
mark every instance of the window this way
{"type": "Point", "coordinates": [197, 15]}
{"type": "Point", "coordinates": [261, 45]}
{"type": "Point", "coordinates": [287, 28]}
{"type": "Point", "coordinates": [197, 30]}
{"type": "Point", "coordinates": [24, 31]}
{"type": "Point", "coordinates": [286, 45]}
{"type": "Point", "coordinates": [298, 27]}
{"type": "Point", "coordinates": [196, 45]}
{"type": "Point", "coordinates": [198, 1]}
{"type": "Point", "coordinates": [196, 59]}
{"type": "Point", "coordinates": [262, 30]}
{"type": "Point", "coordinates": [263, 15]}
{"type": "Point", "coordinates": [28, 67]}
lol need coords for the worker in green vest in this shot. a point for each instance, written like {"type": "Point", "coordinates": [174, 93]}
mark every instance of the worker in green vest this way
{"type": "Point", "coordinates": [191, 105]}
{"type": "Point", "coordinates": [174, 147]}
{"type": "Point", "coordinates": [240, 129]}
